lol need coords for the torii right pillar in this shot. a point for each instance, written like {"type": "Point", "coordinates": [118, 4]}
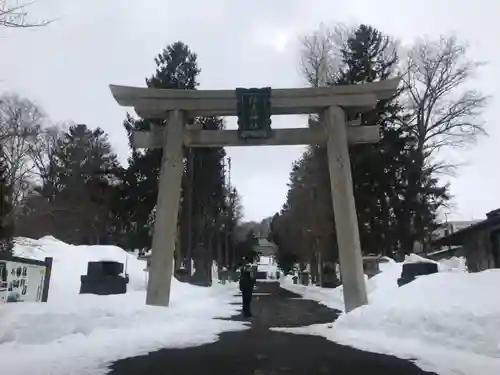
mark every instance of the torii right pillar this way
{"type": "Point", "coordinates": [344, 208]}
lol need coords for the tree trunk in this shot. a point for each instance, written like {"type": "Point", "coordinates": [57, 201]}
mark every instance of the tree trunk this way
{"type": "Point", "coordinates": [220, 255]}
{"type": "Point", "coordinates": [177, 252]}
{"type": "Point", "coordinates": [209, 256]}
{"type": "Point", "coordinates": [189, 208]}
{"type": "Point", "coordinates": [321, 268]}
{"type": "Point", "coordinates": [314, 266]}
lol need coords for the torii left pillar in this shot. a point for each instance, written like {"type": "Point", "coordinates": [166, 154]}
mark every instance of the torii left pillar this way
{"type": "Point", "coordinates": [167, 210]}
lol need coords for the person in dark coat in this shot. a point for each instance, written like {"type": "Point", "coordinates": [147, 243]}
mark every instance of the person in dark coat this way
{"type": "Point", "coordinates": [247, 282]}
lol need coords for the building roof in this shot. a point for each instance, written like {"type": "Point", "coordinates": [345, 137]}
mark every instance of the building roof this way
{"type": "Point", "coordinates": [264, 242]}
{"type": "Point", "coordinates": [457, 238]}
{"type": "Point", "coordinates": [265, 247]}
{"type": "Point", "coordinates": [450, 249]}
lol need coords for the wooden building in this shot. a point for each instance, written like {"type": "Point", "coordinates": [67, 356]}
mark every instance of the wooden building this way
{"type": "Point", "coordinates": [480, 242]}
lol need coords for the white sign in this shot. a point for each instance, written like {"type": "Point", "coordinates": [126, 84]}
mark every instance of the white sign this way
{"type": "Point", "coordinates": [3, 282]}
{"type": "Point", "coordinates": [24, 282]}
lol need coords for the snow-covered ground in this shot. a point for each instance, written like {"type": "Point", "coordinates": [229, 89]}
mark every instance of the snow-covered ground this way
{"type": "Point", "coordinates": [83, 334]}
{"type": "Point", "coordinates": [268, 265]}
{"type": "Point", "coordinates": [448, 322]}
{"type": "Point", "coordinates": [377, 287]}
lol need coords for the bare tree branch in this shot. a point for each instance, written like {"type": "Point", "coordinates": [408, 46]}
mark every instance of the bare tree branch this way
{"type": "Point", "coordinates": [20, 124]}
{"type": "Point", "coordinates": [16, 16]}
{"type": "Point", "coordinates": [443, 112]}
{"type": "Point", "coordinates": [320, 54]}
{"type": "Point", "coordinates": [43, 149]}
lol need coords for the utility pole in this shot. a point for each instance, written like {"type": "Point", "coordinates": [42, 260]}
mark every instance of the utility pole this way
{"type": "Point", "coordinates": [226, 216]}
{"type": "Point", "coordinates": [229, 217]}
{"type": "Point", "coordinates": [229, 170]}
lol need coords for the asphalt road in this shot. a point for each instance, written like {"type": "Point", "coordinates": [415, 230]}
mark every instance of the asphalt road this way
{"type": "Point", "coordinates": [260, 351]}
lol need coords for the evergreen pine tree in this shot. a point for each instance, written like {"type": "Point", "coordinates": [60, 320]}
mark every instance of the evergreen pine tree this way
{"type": "Point", "coordinates": [82, 174]}
{"type": "Point", "coordinates": [177, 68]}
{"type": "Point", "coordinates": [387, 215]}
{"type": "Point", "coordinates": [369, 56]}
{"type": "Point", "coordinates": [382, 172]}
{"type": "Point", "coordinates": [203, 180]}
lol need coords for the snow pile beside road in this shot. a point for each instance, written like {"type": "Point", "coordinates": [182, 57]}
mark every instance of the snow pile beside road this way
{"type": "Point", "coordinates": [268, 265]}
{"type": "Point", "coordinates": [83, 334]}
{"type": "Point", "coordinates": [332, 298]}
{"type": "Point", "coordinates": [454, 264]}
{"type": "Point", "coordinates": [448, 322]}
{"type": "Point", "coordinates": [70, 262]}
{"type": "Point", "coordinates": [376, 287]}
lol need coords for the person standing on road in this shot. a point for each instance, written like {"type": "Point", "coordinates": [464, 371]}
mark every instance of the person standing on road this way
{"type": "Point", "coordinates": [247, 282]}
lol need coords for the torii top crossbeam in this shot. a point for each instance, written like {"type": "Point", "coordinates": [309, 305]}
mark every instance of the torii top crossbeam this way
{"type": "Point", "coordinates": [155, 103]}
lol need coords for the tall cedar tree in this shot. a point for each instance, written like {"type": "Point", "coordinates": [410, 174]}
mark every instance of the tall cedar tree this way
{"type": "Point", "coordinates": [6, 227]}
{"type": "Point", "coordinates": [203, 179]}
{"type": "Point", "coordinates": [78, 196]}
{"type": "Point", "coordinates": [176, 68]}
{"type": "Point", "coordinates": [365, 57]}
{"type": "Point", "coordinates": [381, 172]}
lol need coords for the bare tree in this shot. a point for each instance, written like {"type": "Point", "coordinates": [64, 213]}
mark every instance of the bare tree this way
{"type": "Point", "coordinates": [20, 125]}
{"type": "Point", "coordinates": [43, 149]}
{"type": "Point", "coordinates": [321, 58]}
{"type": "Point", "coordinates": [443, 110]}
{"type": "Point", "coordinates": [16, 15]}
{"type": "Point", "coordinates": [320, 54]}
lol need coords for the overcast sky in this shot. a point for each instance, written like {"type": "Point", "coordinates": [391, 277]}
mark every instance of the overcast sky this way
{"type": "Point", "coordinates": [67, 67]}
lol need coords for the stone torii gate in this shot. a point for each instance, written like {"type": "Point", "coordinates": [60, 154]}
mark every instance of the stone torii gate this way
{"type": "Point", "coordinates": [254, 108]}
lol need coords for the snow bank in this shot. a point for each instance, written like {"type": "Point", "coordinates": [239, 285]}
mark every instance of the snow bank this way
{"type": "Point", "coordinates": [70, 262]}
{"type": "Point", "coordinates": [414, 258]}
{"type": "Point", "coordinates": [454, 264]}
{"type": "Point", "coordinates": [82, 334]}
{"type": "Point", "coordinates": [447, 322]}
{"type": "Point", "coordinates": [376, 287]}
{"type": "Point", "coordinates": [265, 260]}
{"type": "Point", "coordinates": [326, 296]}
{"type": "Point", "coordinates": [268, 265]}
